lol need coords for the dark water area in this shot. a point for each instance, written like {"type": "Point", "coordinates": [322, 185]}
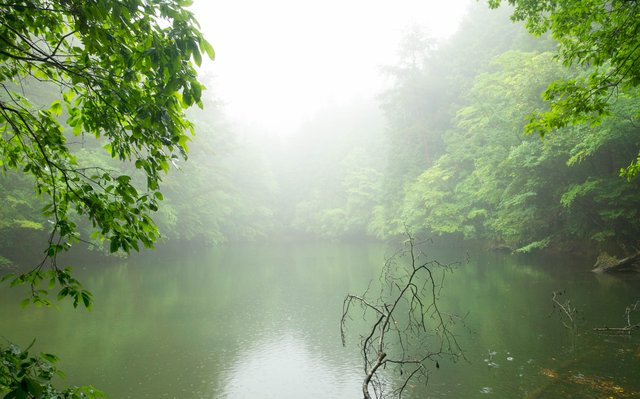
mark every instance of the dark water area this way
{"type": "Point", "coordinates": [263, 321]}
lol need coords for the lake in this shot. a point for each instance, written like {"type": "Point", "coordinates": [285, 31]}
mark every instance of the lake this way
{"type": "Point", "coordinates": [263, 321]}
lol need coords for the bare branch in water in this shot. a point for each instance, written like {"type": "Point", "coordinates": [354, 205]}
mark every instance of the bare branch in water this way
{"type": "Point", "coordinates": [410, 333]}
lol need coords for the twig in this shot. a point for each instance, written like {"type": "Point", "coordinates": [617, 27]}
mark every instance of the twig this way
{"type": "Point", "coordinates": [567, 310]}
{"type": "Point", "coordinates": [411, 289]}
{"type": "Point", "coordinates": [628, 329]}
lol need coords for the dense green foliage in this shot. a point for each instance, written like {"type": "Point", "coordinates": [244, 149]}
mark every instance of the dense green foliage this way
{"type": "Point", "coordinates": [458, 158]}
{"type": "Point", "coordinates": [76, 78]}
{"type": "Point", "coordinates": [493, 182]}
{"type": "Point", "coordinates": [24, 376]}
{"type": "Point", "coordinates": [597, 35]}
{"type": "Point", "coordinates": [450, 156]}
{"type": "Point", "coordinates": [121, 72]}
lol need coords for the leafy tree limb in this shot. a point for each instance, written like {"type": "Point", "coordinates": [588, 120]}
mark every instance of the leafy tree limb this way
{"type": "Point", "coordinates": [600, 36]}
{"type": "Point", "coordinates": [124, 72]}
{"type": "Point", "coordinates": [29, 377]}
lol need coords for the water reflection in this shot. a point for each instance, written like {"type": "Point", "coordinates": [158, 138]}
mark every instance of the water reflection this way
{"type": "Point", "coordinates": [518, 347]}
{"type": "Point", "coordinates": [263, 321]}
{"type": "Point", "coordinates": [285, 365]}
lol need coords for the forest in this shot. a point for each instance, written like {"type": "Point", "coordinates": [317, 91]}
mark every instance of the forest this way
{"type": "Point", "coordinates": [519, 133]}
{"type": "Point", "coordinates": [447, 149]}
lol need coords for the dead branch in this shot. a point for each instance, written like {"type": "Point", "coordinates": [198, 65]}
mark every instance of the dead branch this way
{"type": "Point", "coordinates": [628, 329]}
{"type": "Point", "coordinates": [567, 310]}
{"type": "Point", "coordinates": [410, 332]}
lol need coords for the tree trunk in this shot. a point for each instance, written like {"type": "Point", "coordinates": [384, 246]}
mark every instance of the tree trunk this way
{"type": "Point", "coordinates": [607, 263]}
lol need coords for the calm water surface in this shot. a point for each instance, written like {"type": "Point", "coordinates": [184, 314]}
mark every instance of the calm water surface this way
{"type": "Point", "coordinates": [262, 321]}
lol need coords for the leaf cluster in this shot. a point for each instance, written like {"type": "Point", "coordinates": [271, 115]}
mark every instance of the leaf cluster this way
{"type": "Point", "coordinates": [124, 72]}
{"type": "Point", "coordinates": [599, 35]}
{"type": "Point", "coordinates": [23, 376]}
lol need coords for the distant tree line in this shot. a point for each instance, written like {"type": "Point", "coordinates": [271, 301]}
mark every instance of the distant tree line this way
{"type": "Point", "coordinates": [461, 159]}
{"type": "Point", "coordinates": [451, 148]}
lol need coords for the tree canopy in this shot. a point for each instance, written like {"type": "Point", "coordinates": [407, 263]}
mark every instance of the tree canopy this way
{"type": "Point", "coordinates": [488, 180]}
{"type": "Point", "coordinates": [604, 37]}
{"type": "Point", "coordinates": [123, 72]}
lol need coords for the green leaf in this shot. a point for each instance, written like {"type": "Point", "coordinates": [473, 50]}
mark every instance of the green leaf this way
{"type": "Point", "coordinates": [17, 393]}
{"type": "Point", "coordinates": [87, 299]}
{"type": "Point", "coordinates": [114, 245]}
{"type": "Point", "coordinates": [56, 108]}
{"type": "Point", "coordinates": [197, 57]}
{"type": "Point", "coordinates": [50, 357]}
{"type": "Point", "coordinates": [33, 388]}
{"type": "Point", "coordinates": [207, 48]}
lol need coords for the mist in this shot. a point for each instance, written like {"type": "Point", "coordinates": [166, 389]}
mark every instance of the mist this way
{"type": "Point", "coordinates": [303, 112]}
{"type": "Point", "coordinates": [279, 63]}
{"type": "Point", "coordinates": [404, 198]}
{"type": "Point", "coordinates": [369, 121]}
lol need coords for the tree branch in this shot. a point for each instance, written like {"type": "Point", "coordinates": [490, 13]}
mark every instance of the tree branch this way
{"type": "Point", "coordinates": [409, 292]}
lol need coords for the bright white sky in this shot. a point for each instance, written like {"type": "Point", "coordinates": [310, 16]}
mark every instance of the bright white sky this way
{"type": "Point", "coordinates": [279, 61]}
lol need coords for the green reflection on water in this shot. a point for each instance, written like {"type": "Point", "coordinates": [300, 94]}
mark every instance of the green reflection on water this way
{"type": "Point", "coordinates": [263, 321]}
